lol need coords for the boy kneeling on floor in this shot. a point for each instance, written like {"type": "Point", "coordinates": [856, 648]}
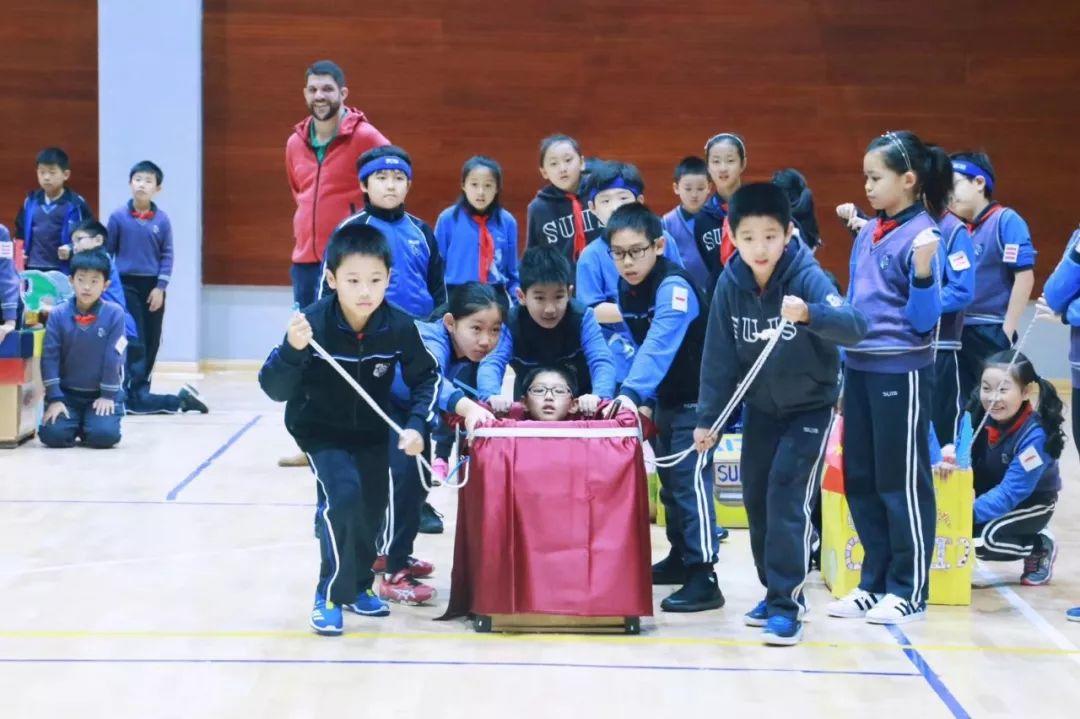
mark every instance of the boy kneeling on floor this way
{"type": "Point", "coordinates": [82, 364]}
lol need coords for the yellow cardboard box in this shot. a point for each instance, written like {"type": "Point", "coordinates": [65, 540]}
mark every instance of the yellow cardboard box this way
{"type": "Point", "coordinates": [727, 488]}
{"type": "Point", "coordinates": [953, 554]}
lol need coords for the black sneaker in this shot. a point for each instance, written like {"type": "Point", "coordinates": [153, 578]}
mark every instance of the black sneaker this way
{"type": "Point", "coordinates": [701, 592]}
{"type": "Point", "coordinates": [669, 570]}
{"type": "Point", "coordinates": [191, 401]}
{"type": "Point", "coordinates": [430, 520]}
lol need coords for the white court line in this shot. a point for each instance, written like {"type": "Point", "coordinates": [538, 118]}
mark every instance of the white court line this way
{"type": "Point", "coordinates": [158, 558]}
{"type": "Point", "coordinates": [1020, 604]}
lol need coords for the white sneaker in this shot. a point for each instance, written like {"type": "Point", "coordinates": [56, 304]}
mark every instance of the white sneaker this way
{"type": "Point", "coordinates": [894, 610]}
{"type": "Point", "coordinates": [854, 605]}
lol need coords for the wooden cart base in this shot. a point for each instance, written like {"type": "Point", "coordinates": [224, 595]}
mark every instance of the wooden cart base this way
{"type": "Point", "coordinates": [556, 624]}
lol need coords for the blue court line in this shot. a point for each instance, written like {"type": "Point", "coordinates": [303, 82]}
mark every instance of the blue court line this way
{"type": "Point", "coordinates": [455, 663]}
{"type": "Point", "coordinates": [193, 503]}
{"type": "Point", "coordinates": [210, 460]}
{"type": "Point", "coordinates": [928, 674]}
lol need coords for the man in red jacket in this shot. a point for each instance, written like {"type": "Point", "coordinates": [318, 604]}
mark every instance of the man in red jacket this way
{"type": "Point", "coordinates": [320, 160]}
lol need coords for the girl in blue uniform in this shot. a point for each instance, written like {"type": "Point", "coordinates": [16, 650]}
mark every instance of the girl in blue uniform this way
{"type": "Point", "coordinates": [895, 281]}
{"type": "Point", "coordinates": [476, 236]}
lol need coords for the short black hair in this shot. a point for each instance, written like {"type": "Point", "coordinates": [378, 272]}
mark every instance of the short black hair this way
{"type": "Point", "coordinates": [691, 165]}
{"type": "Point", "coordinates": [326, 67]}
{"type": "Point", "coordinates": [759, 199]}
{"type": "Point", "coordinates": [54, 156]}
{"type": "Point", "coordinates": [357, 239]}
{"type": "Point", "coordinates": [566, 373]}
{"type": "Point", "coordinates": [96, 260]}
{"type": "Point", "coordinates": [982, 161]}
{"type": "Point", "coordinates": [383, 151]}
{"type": "Point", "coordinates": [605, 172]}
{"type": "Point", "coordinates": [91, 227]}
{"type": "Point", "coordinates": [146, 166]}
{"type": "Point", "coordinates": [634, 216]}
{"type": "Point", "coordinates": [544, 265]}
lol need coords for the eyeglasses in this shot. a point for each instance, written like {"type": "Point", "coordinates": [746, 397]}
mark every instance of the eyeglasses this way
{"type": "Point", "coordinates": [540, 391]}
{"type": "Point", "coordinates": [634, 253]}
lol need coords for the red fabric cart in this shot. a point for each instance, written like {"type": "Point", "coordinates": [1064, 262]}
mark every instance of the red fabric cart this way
{"type": "Point", "coordinates": [554, 520]}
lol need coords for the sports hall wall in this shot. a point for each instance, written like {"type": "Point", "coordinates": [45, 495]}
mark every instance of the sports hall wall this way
{"type": "Point", "coordinates": [806, 83]}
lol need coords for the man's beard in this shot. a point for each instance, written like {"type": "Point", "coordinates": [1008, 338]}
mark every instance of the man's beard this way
{"type": "Point", "coordinates": [333, 109]}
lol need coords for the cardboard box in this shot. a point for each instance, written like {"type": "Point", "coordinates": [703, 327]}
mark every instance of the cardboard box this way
{"type": "Point", "coordinates": [727, 487]}
{"type": "Point", "coordinates": [19, 344]}
{"type": "Point", "coordinates": [15, 371]}
{"type": "Point", "coordinates": [953, 552]}
{"type": "Point", "coordinates": [20, 409]}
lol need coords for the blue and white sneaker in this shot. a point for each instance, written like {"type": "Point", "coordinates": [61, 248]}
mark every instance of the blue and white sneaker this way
{"type": "Point", "coordinates": [367, 604]}
{"type": "Point", "coordinates": [759, 615]}
{"type": "Point", "coordinates": [326, 617]}
{"type": "Point", "coordinates": [1073, 615]}
{"type": "Point", "coordinates": [782, 632]}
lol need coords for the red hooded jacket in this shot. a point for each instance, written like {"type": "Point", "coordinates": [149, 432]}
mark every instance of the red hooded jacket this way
{"type": "Point", "coordinates": [328, 193]}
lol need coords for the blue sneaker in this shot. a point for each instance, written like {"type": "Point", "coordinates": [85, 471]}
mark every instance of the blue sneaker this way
{"type": "Point", "coordinates": [721, 533]}
{"type": "Point", "coordinates": [757, 616]}
{"type": "Point", "coordinates": [781, 631]}
{"type": "Point", "coordinates": [367, 604]}
{"type": "Point", "coordinates": [1073, 615]}
{"type": "Point", "coordinates": [326, 617]}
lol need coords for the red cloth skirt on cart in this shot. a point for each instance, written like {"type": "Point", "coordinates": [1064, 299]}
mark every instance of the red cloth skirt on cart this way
{"type": "Point", "coordinates": [554, 520]}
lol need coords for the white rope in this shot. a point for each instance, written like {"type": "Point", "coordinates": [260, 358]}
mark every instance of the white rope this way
{"type": "Point", "coordinates": [741, 389]}
{"type": "Point", "coordinates": [423, 463]}
{"type": "Point", "coordinates": [999, 390]}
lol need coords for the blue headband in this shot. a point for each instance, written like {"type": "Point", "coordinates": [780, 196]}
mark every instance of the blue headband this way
{"type": "Point", "coordinates": [617, 184]}
{"type": "Point", "coordinates": [970, 169]}
{"type": "Point", "coordinates": [386, 162]}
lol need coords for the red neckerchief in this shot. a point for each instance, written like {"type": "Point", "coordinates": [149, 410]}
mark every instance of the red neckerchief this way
{"type": "Point", "coordinates": [579, 224]}
{"type": "Point", "coordinates": [986, 215]}
{"type": "Point", "coordinates": [883, 227]}
{"type": "Point", "coordinates": [148, 215]}
{"type": "Point", "coordinates": [996, 434]}
{"type": "Point", "coordinates": [487, 247]}
{"type": "Point", "coordinates": [85, 320]}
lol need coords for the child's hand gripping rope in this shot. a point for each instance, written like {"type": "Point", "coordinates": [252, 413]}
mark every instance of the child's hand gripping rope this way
{"type": "Point", "coordinates": [300, 335]}
{"type": "Point", "coordinates": [705, 439]}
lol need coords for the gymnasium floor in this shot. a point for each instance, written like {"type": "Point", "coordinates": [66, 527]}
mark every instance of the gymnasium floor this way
{"type": "Point", "coordinates": [172, 577]}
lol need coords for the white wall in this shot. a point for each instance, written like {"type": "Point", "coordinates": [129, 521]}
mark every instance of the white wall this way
{"type": "Point", "coordinates": [150, 108]}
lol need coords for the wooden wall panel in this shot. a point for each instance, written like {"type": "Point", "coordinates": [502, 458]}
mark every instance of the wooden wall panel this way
{"type": "Point", "coordinates": [48, 95]}
{"type": "Point", "coordinates": [807, 83]}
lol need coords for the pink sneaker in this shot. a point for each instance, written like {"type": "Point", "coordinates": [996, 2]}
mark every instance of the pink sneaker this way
{"type": "Point", "coordinates": [439, 469]}
{"type": "Point", "coordinates": [403, 588]}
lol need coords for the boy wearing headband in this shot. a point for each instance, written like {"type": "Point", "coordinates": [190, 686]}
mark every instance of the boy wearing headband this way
{"type": "Point", "coordinates": [416, 284]}
{"type": "Point", "coordinates": [1004, 265]}
{"type": "Point", "coordinates": [609, 186]}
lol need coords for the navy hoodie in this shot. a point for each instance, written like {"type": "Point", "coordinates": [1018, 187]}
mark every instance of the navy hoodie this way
{"type": "Point", "coordinates": [551, 222]}
{"type": "Point", "coordinates": [803, 371]}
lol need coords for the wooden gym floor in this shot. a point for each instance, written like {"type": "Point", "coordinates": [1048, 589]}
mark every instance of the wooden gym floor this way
{"type": "Point", "coordinates": [172, 577]}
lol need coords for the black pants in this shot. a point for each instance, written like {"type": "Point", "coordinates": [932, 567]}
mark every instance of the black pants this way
{"type": "Point", "coordinates": [948, 400]}
{"type": "Point", "coordinates": [148, 325]}
{"type": "Point", "coordinates": [687, 493]}
{"type": "Point", "coordinates": [781, 461]}
{"type": "Point", "coordinates": [401, 520]}
{"type": "Point", "coordinates": [354, 483]}
{"type": "Point", "coordinates": [887, 478]}
{"type": "Point", "coordinates": [306, 278]}
{"type": "Point", "coordinates": [145, 402]}
{"type": "Point", "coordinates": [1015, 535]}
{"type": "Point", "coordinates": [978, 343]}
